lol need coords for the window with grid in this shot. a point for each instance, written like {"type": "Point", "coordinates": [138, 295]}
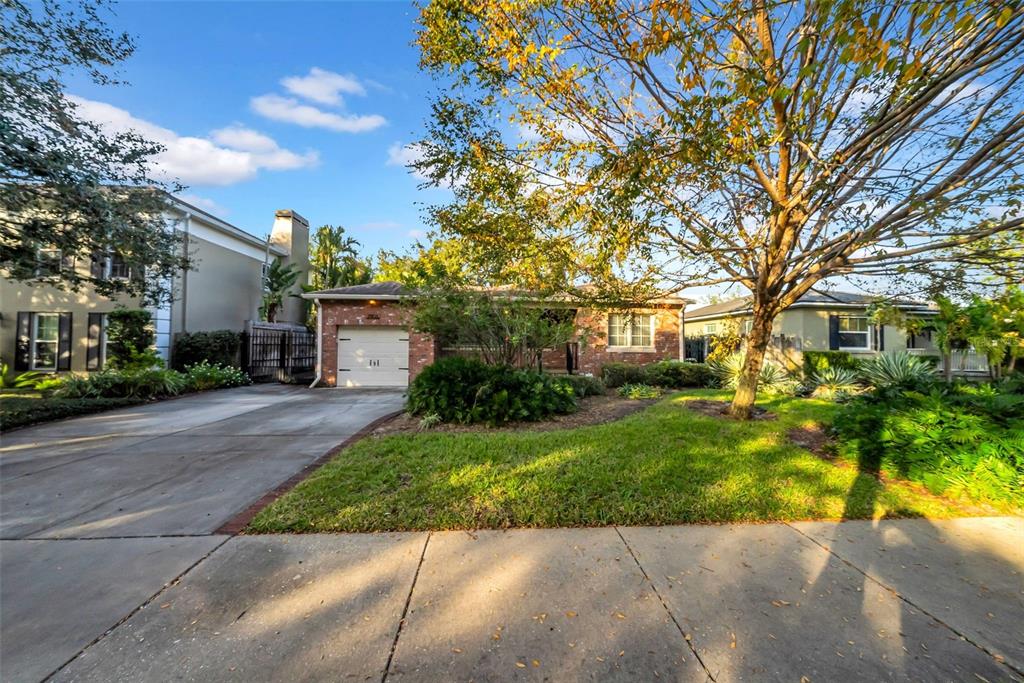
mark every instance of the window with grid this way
{"type": "Point", "coordinates": [45, 339]}
{"type": "Point", "coordinates": [630, 330]}
{"type": "Point", "coordinates": [119, 268]}
{"type": "Point", "coordinates": [854, 333]}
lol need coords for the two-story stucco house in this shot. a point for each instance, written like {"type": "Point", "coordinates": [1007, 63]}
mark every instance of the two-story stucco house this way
{"type": "Point", "coordinates": [46, 328]}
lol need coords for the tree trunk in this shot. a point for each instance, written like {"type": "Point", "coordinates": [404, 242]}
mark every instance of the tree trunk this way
{"type": "Point", "coordinates": [947, 365]}
{"type": "Point", "coordinates": [757, 343]}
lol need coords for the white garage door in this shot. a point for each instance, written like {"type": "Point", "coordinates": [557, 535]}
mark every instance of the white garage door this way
{"type": "Point", "coordinates": [373, 357]}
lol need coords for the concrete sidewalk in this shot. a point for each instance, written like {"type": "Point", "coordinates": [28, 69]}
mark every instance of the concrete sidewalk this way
{"type": "Point", "coordinates": [890, 600]}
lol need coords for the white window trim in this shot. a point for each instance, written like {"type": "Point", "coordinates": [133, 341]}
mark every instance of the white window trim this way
{"type": "Point", "coordinates": [710, 328]}
{"type": "Point", "coordinates": [866, 333]}
{"type": "Point", "coordinates": [34, 339]}
{"type": "Point", "coordinates": [630, 347]}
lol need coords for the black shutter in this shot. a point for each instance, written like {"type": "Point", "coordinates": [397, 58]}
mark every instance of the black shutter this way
{"type": "Point", "coordinates": [22, 353]}
{"type": "Point", "coordinates": [881, 337]}
{"type": "Point", "coordinates": [64, 342]}
{"type": "Point", "coordinates": [92, 349]}
{"type": "Point", "coordinates": [833, 332]}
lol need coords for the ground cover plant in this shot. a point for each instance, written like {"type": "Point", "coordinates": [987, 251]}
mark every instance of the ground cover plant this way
{"type": "Point", "coordinates": [663, 465]}
{"type": "Point", "coordinates": [956, 439]}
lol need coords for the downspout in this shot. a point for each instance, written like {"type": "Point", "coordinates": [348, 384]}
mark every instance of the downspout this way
{"type": "Point", "coordinates": [319, 339]}
{"type": "Point", "coordinates": [184, 276]}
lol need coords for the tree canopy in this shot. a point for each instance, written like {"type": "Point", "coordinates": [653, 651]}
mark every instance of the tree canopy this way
{"type": "Point", "coordinates": [773, 145]}
{"type": "Point", "coordinates": [68, 188]}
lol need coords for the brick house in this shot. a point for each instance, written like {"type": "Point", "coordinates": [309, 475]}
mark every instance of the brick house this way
{"type": "Point", "coordinates": [363, 336]}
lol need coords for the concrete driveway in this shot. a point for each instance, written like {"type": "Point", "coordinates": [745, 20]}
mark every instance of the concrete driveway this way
{"type": "Point", "coordinates": [98, 513]}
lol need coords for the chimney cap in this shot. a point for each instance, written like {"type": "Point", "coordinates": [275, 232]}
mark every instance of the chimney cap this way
{"type": "Point", "coordinates": [289, 213]}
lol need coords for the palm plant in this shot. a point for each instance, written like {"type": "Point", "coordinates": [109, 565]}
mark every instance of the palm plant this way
{"type": "Point", "coordinates": [280, 278]}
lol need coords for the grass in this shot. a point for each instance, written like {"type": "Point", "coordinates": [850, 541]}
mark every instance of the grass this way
{"type": "Point", "coordinates": [22, 408]}
{"type": "Point", "coordinates": [664, 465]}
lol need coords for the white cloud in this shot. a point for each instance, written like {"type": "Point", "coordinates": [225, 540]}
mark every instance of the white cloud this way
{"type": "Point", "coordinates": [290, 110]}
{"type": "Point", "coordinates": [230, 155]}
{"type": "Point", "coordinates": [323, 87]}
{"type": "Point", "coordinates": [405, 156]}
{"type": "Point", "coordinates": [204, 203]}
{"type": "Point", "coordinates": [417, 234]}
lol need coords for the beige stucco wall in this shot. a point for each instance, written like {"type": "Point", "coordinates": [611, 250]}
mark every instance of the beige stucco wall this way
{"type": "Point", "coordinates": [808, 324]}
{"type": "Point", "coordinates": [19, 296]}
{"type": "Point", "coordinates": [222, 292]}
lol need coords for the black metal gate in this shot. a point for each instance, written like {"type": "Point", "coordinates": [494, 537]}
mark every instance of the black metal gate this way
{"type": "Point", "coordinates": [285, 355]}
{"type": "Point", "coordinates": [696, 348]}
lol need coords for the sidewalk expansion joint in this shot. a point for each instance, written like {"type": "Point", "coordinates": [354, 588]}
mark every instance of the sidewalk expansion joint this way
{"type": "Point", "coordinates": [687, 639]}
{"type": "Point", "coordinates": [963, 636]}
{"type": "Point", "coordinates": [147, 603]}
{"type": "Point", "coordinates": [405, 610]}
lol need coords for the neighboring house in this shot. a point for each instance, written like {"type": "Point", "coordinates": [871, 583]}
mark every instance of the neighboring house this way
{"type": "Point", "coordinates": [48, 329]}
{"type": "Point", "coordinates": [820, 321]}
{"type": "Point", "coordinates": [364, 338]}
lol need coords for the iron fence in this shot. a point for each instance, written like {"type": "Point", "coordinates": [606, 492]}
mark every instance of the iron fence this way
{"type": "Point", "coordinates": [275, 353]}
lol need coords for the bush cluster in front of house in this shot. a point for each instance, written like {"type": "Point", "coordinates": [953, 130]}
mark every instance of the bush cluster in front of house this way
{"type": "Point", "coordinates": [957, 438]}
{"type": "Point", "coordinates": [150, 382]}
{"type": "Point", "coordinates": [466, 390]}
{"type": "Point", "coordinates": [219, 347]}
{"type": "Point", "coordinates": [667, 374]}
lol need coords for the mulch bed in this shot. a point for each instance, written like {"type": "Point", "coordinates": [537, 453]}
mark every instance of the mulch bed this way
{"type": "Point", "coordinates": [815, 439]}
{"type": "Point", "coordinates": [593, 410]}
{"type": "Point", "coordinates": [721, 409]}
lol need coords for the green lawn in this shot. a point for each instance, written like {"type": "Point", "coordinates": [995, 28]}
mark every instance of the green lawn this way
{"type": "Point", "coordinates": [21, 408]}
{"type": "Point", "coordinates": [664, 465]}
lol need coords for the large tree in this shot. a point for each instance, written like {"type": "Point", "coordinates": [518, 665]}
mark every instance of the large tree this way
{"type": "Point", "coordinates": [71, 194]}
{"type": "Point", "coordinates": [772, 145]}
{"type": "Point", "coordinates": [334, 260]}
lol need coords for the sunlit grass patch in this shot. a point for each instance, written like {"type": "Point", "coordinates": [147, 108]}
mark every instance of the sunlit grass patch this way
{"type": "Point", "coordinates": [664, 465]}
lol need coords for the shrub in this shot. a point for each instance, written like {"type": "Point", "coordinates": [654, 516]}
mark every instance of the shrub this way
{"type": "Point", "coordinates": [203, 376]}
{"type": "Point", "coordinates": [584, 385]}
{"type": "Point", "coordinates": [19, 380]}
{"type": "Point", "coordinates": [216, 348]}
{"type": "Point", "coordinates": [639, 391]}
{"type": "Point", "coordinates": [674, 374]}
{"type": "Point", "coordinates": [18, 411]}
{"type": "Point", "coordinates": [138, 361]}
{"type": "Point", "coordinates": [816, 361]}
{"type": "Point", "coordinates": [901, 370]}
{"type": "Point", "coordinates": [833, 382]}
{"type": "Point", "coordinates": [466, 390]}
{"type": "Point", "coordinates": [118, 384]}
{"type": "Point", "coordinates": [771, 380]}
{"type": "Point", "coordinates": [128, 330]}
{"type": "Point", "coordinates": [959, 439]}
{"type": "Point", "coordinates": [616, 374]}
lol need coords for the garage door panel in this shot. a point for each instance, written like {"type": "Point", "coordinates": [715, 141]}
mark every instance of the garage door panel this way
{"type": "Point", "coordinates": [373, 356]}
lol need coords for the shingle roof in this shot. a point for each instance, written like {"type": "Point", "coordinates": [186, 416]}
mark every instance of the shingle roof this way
{"type": "Point", "coordinates": [387, 289]}
{"type": "Point", "coordinates": [812, 298]}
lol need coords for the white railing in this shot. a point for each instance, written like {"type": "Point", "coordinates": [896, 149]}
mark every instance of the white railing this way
{"type": "Point", "coordinates": [963, 361]}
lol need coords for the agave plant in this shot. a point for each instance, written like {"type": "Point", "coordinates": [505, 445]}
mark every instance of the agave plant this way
{"type": "Point", "coordinates": [832, 382]}
{"type": "Point", "coordinates": [772, 379]}
{"type": "Point", "coordinates": [897, 370]}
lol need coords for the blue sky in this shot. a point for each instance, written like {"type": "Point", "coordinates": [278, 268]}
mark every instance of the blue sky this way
{"type": "Point", "coordinates": [267, 105]}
